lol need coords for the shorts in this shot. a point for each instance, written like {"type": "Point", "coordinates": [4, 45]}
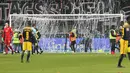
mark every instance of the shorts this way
{"type": "Point", "coordinates": [128, 50]}
{"type": "Point", "coordinates": [27, 46]}
{"type": "Point", "coordinates": [7, 41]}
{"type": "Point", "coordinates": [123, 46]}
{"type": "Point", "coordinates": [73, 42]}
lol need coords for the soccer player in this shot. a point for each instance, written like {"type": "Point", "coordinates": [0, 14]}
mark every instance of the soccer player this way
{"type": "Point", "coordinates": [7, 37]}
{"type": "Point", "coordinates": [124, 42]}
{"type": "Point", "coordinates": [128, 50]}
{"type": "Point", "coordinates": [27, 44]}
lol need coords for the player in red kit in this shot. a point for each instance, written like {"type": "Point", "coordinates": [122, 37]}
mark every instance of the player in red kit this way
{"type": "Point", "coordinates": [7, 36]}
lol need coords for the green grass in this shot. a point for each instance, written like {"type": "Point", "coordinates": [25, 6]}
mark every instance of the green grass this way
{"type": "Point", "coordinates": [63, 63]}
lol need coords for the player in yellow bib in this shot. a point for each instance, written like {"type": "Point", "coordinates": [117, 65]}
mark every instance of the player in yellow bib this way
{"type": "Point", "coordinates": [27, 44]}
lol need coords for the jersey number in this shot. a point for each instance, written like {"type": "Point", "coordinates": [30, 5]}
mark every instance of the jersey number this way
{"type": "Point", "coordinates": [27, 35]}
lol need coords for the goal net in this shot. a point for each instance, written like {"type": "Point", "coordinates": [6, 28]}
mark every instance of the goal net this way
{"type": "Point", "coordinates": [92, 30]}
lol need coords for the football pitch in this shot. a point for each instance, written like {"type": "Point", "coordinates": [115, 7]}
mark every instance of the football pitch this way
{"type": "Point", "coordinates": [63, 63]}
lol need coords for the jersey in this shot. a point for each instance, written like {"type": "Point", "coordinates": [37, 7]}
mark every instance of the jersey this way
{"type": "Point", "coordinates": [126, 33]}
{"type": "Point", "coordinates": [27, 34]}
{"type": "Point", "coordinates": [7, 35]}
{"type": "Point", "coordinates": [38, 36]}
{"type": "Point", "coordinates": [8, 32]}
{"type": "Point", "coordinates": [34, 31]}
{"type": "Point", "coordinates": [28, 37]}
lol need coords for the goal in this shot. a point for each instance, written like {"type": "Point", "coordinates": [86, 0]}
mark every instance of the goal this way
{"type": "Point", "coordinates": [55, 28]}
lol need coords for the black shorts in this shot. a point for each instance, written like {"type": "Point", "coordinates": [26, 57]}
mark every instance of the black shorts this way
{"type": "Point", "coordinates": [73, 42]}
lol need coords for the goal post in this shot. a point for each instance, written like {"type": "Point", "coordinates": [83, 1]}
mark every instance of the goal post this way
{"type": "Point", "coordinates": [66, 17]}
{"type": "Point", "coordinates": [54, 27]}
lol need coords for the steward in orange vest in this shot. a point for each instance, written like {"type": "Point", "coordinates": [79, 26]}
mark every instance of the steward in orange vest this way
{"type": "Point", "coordinates": [72, 38]}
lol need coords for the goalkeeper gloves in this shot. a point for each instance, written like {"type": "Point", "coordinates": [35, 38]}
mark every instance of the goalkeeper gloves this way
{"type": "Point", "coordinates": [2, 39]}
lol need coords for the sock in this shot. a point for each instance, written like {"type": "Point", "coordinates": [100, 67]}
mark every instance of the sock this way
{"type": "Point", "coordinates": [41, 50]}
{"type": "Point", "coordinates": [36, 48]}
{"type": "Point", "coordinates": [73, 48]}
{"type": "Point", "coordinates": [22, 55]}
{"type": "Point", "coordinates": [90, 49]}
{"type": "Point", "coordinates": [120, 59]}
{"type": "Point", "coordinates": [128, 55]}
{"type": "Point", "coordinates": [33, 50]}
{"type": "Point", "coordinates": [6, 49]}
{"type": "Point", "coordinates": [11, 49]}
{"type": "Point", "coordinates": [28, 56]}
